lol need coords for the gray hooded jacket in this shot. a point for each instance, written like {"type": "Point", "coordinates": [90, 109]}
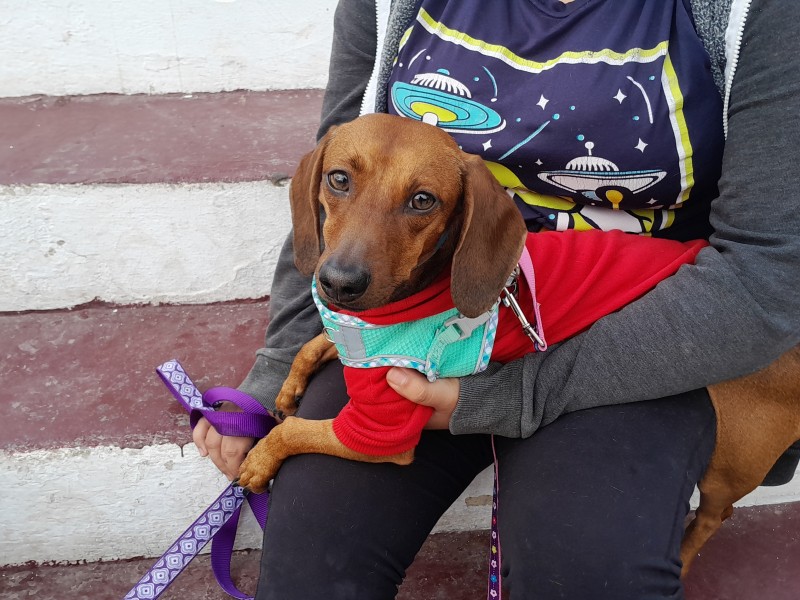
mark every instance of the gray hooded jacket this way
{"type": "Point", "coordinates": [733, 312]}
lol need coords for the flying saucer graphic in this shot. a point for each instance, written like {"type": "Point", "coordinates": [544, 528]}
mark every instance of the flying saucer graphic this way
{"type": "Point", "coordinates": [441, 100]}
{"type": "Point", "coordinates": [600, 180]}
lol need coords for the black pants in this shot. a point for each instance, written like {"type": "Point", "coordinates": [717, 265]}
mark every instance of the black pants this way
{"type": "Point", "coordinates": [591, 507]}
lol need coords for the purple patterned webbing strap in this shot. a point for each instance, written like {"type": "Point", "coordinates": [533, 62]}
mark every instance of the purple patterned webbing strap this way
{"type": "Point", "coordinates": [220, 520]}
{"type": "Point", "coordinates": [494, 590]}
{"type": "Point", "coordinates": [188, 545]}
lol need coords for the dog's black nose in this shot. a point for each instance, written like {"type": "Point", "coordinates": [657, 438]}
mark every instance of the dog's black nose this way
{"type": "Point", "coordinates": [343, 283]}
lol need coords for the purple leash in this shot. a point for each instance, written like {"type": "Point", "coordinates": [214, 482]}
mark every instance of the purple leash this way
{"type": "Point", "coordinates": [220, 520]}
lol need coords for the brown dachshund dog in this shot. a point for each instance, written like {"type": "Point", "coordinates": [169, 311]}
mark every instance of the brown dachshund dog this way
{"type": "Point", "coordinates": [374, 167]}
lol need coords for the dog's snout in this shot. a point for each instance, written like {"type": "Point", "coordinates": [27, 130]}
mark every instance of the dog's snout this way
{"type": "Point", "coordinates": [343, 283]}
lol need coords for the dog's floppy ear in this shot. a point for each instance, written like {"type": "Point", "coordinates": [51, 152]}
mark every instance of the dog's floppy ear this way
{"type": "Point", "coordinates": [304, 201]}
{"type": "Point", "coordinates": [492, 236]}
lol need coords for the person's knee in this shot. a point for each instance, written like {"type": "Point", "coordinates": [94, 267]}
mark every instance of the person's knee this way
{"type": "Point", "coordinates": [578, 566]}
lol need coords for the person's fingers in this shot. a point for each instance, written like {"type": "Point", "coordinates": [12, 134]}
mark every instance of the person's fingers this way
{"type": "Point", "coordinates": [414, 386]}
{"type": "Point", "coordinates": [213, 444]}
{"type": "Point", "coordinates": [233, 451]}
{"type": "Point", "coordinates": [410, 384]}
{"type": "Point", "coordinates": [226, 452]}
{"type": "Point", "coordinates": [199, 435]}
{"type": "Point", "coordinates": [441, 395]}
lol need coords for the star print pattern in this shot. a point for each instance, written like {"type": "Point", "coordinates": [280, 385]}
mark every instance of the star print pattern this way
{"type": "Point", "coordinates": [542, 102]}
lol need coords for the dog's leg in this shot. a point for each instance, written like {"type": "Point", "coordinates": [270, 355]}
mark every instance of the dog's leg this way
{"type": "Point", "coordinates": [301, 436]}
{"type": "Point", "coordinates": [748, 444]}
{"type": "Point", "coordinates": [311, 357]}
{"type": "Point", "coordinates": [758, 418]}
{"type": "Point", "coordinates": [716, 505]}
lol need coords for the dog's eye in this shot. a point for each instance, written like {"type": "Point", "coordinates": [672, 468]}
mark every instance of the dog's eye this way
{"type": "Point", "coordinates": [422, 201]}
{"type": "Point", "coordinates": [339, 181]}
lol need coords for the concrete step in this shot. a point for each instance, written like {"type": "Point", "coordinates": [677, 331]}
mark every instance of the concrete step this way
{"type": "Point", "coordinates": [96, 459]}
{"type": "Point", "coordinates": [145, 199]}
{"type": "Point", "coordinates": [97, 455]}
{"type": "Point", "coordinates": [92, 440]}
{"type": "Point", "coordinates": [114, 200]}
{"type": "Point", "coordinates": [755, 556]}
{"type": "Point", "coordinates": [110, 200]}
{"type": "Point", "coordinates": [85, 378]}
{"type": "Point", "coordinates": [155, 47]}
{"type": "Point", "coordinates": [174, 138]}
{"type": "Point", "coordinates": [450, 566]}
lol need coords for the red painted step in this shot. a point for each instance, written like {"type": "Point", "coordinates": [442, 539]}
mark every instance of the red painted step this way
{"type": "Point", "coordinates": [226, 136]}
{"type": "Point", "coordinates": [449, 566]}
{"type": "Point", "coordinates": [86, 377]}
{"type": "Point", "coordinates": [755, 556]}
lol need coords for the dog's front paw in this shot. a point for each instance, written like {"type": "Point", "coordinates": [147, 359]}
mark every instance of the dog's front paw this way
{"type": "Point", "coordinates": [285, 405]}
{"type": "Point", "coordinates": [259, 467]}
{"type": "Point", "coordinates": [289, 397]}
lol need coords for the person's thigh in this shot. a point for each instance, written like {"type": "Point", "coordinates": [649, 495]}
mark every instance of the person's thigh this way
{"type": "Point", "coordinates": [593, 505]}
{"type": "Point", "coordinates": [340, 529]}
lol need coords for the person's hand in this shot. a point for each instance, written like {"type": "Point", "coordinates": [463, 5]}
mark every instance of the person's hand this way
{"type": "Point", "coordinates": [226, 451]}
{"type": "Point", "coordinates": [441, 395]}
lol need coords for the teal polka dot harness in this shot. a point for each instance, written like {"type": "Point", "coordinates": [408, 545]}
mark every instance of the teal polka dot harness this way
{"type": "Point", "coordinates": [447, 344]}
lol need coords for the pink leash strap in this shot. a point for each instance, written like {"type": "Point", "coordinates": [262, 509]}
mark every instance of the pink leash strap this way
{"type": "Point", "coordinates": [526, 266]}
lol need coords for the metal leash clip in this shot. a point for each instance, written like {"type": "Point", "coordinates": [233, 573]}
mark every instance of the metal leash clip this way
{"type": "Point", "coordinates": [509, 299]}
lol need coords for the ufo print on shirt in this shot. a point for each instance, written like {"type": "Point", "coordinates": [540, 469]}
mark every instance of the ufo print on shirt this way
{"type": "Point", "coordinates": [600, 180]}
{"type": "Point", "coordinates": [438, 99]}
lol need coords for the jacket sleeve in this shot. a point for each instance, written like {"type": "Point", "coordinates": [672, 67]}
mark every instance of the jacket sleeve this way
{"type": "Point", "coordinates": [293, 317]}
{"type": "Point", "coordinates": [736, 310]}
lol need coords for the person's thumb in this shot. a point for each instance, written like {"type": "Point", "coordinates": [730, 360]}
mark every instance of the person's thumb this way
{"type": "Point", "coordinates": [199, 436]}
{"type": "Point", "coordinates": [412, 385]}
{"type": "Point", "coordinates": [441, 395]}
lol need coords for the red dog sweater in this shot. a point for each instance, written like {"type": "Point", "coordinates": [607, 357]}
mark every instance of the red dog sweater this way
{"type": "Point", "coordinates": [581, 276]}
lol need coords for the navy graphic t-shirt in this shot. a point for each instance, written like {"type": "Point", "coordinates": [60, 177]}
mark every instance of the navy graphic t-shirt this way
{"type": "Point", "coordinates": [595, 114]}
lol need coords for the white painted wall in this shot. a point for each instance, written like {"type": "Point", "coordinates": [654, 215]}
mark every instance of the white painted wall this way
{"type": "Point", "coordinates": [71, 47]}
{"type": "Point", "coordinates": [108, 503]}
{"type": "Point", "coordinates": [64, 245]}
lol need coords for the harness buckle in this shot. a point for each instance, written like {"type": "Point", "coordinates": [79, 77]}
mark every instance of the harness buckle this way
{"type": "Point", "coordinates": [465, 326]}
